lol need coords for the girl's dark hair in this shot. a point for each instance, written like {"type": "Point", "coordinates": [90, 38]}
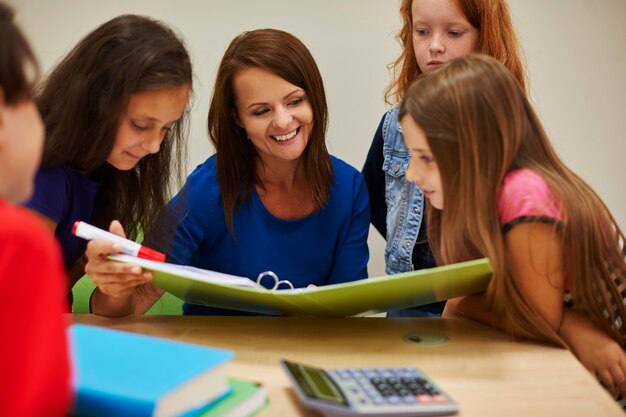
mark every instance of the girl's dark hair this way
{"type": "Point", "coordinates": [84, 98]}
{"type": "Point", "coordinates": [18, 66]}
{"type": "Point", "coordinates": [285, 55]}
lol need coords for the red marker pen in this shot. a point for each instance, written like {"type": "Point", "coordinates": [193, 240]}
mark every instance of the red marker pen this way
{"type": "Point", "coordinates": [89, 232]}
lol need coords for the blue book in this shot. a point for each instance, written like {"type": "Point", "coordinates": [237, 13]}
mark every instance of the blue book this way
{"type": "Point", "coordinates": [119, 373]}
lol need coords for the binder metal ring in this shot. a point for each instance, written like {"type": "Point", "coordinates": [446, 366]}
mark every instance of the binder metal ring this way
{"type": "Point", "coordinates": [277, 282]}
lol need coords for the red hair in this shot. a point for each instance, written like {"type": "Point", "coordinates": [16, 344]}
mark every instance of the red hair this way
{"type": "Point", "coordinates": [497, 38]}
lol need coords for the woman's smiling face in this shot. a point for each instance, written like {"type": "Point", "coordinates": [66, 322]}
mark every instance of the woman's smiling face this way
{"type": "Point", "coordinates": [275, 114]}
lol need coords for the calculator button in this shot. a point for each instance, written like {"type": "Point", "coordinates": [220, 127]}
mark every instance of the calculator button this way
{"type": "Point", "coordinates": [416, 389]}
{"type": "Point", "coordinates": [409, 399]}
{"type": "Point", "coordinates": [361, 380]}
{"type": "Point", "coordinates": [393, 399]}
{"type": "Point", "coordinates": [382, 386]}
{"type": "Point", "coordinates": [425, 398]}
{"type": "Point", "coordinates": [378, 400]}
{"type": "Point", "coordinates": [367, 387]}
{"type": "Point", "coordinates": [439, 399]}
{"type": "Point", "coordinates": [387, 393]}
{"type": "Point", "coordinates": [374, 395]}
{"type": "Point", "coordinates": [343, 373]}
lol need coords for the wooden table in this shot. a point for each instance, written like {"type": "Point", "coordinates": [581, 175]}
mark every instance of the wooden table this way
{"type": "Point", "coordinates": [485, 371]}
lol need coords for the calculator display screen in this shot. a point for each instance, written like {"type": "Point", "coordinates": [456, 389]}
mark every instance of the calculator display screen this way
{"type": "Point", "coordinates": [316, 384]}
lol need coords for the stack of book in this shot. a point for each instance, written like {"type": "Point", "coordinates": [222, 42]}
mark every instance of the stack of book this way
{"type": "Point", "coordinates": [118, 373]}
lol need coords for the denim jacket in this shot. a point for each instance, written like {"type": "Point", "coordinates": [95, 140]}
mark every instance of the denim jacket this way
{"type": "Point", "coordinates": [405, 201]}
{"type": "Point", "coordinates": [398, 208]}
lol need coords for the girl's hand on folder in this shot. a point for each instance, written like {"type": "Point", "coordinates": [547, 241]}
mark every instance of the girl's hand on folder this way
{"type": "Point", "coordinates": [113, 279]}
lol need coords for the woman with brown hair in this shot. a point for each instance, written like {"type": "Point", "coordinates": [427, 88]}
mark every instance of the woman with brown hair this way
{"type": "Point", "coordinates": [271, 198]}
{"type": "Point", "coordinates": [433, 32]}
{"type": "Point", "coordinates": [114, 109]}
{"type": "Point", "coordinates": [496, 188]}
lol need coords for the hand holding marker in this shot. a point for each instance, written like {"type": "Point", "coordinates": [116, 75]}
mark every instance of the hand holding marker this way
{"type": "Point", "coordinates": [89, 232]}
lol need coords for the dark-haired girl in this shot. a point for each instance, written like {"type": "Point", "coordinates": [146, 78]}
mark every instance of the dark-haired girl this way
{"type": "Point", "coordinates": [114, 110]}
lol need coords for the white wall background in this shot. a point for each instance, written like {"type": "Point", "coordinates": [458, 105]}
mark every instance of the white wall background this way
{"type": "Point", "coordinates": [575, 52]}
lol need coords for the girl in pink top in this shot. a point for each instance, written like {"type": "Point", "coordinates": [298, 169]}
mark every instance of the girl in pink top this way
{"type": "Point", "coordinates": [497, 189]}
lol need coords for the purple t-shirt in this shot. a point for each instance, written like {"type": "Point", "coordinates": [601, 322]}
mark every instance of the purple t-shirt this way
{"type": "Point", "coordinates": [64, 195]}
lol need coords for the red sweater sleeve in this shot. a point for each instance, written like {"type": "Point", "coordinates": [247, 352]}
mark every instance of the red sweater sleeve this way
{"type": "Point", "coordinates": [34, 351]}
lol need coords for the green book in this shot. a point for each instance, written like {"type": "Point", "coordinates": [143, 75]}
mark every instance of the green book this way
{"type": "Point", "coordinates": [246, 399]}
{"type": "Point", "coordinates": [356, 298]}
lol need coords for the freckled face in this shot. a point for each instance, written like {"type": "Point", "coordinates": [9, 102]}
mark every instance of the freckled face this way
{"type": "Point", "coordinates": [148, 118]}
{"type": "Point", "coordinates": [423, 170]}
{"type": "Point", "coordinates": [440, 33]}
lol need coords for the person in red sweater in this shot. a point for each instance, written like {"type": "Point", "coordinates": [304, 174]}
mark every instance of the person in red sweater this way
{"type": "Point", "coordinates": [34, 360]}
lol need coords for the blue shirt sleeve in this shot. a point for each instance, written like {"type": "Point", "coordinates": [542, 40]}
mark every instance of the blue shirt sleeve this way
{"type": "Point", "coordinates": [192, 214]}
{"type": "Point", "coordinates": [375, 180]}
{"type": "Point", "coordinates": [352, 254]}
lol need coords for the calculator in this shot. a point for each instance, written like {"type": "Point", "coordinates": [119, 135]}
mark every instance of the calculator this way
{"type": "Point", "coordinates": [372, 392]}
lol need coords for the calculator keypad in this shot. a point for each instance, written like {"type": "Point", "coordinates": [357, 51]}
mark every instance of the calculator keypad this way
{"type": "Point", "coordinates": [387, 386]}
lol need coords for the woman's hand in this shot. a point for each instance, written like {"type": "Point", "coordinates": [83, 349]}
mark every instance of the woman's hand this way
{"type": "Point", "coordinates": [117, 282]}
{"type": "Point", "coordinates": [596, 350]}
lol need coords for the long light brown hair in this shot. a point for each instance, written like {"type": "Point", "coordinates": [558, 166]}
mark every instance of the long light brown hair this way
{"type": "Point", "coordinates": [480, 126]}
{"type": "Point", "coordinates": [496, 38]}
{"type": "Point", "coordinates": [286, 56]}
{"type": "Point", "coordinates": [84, 98]}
